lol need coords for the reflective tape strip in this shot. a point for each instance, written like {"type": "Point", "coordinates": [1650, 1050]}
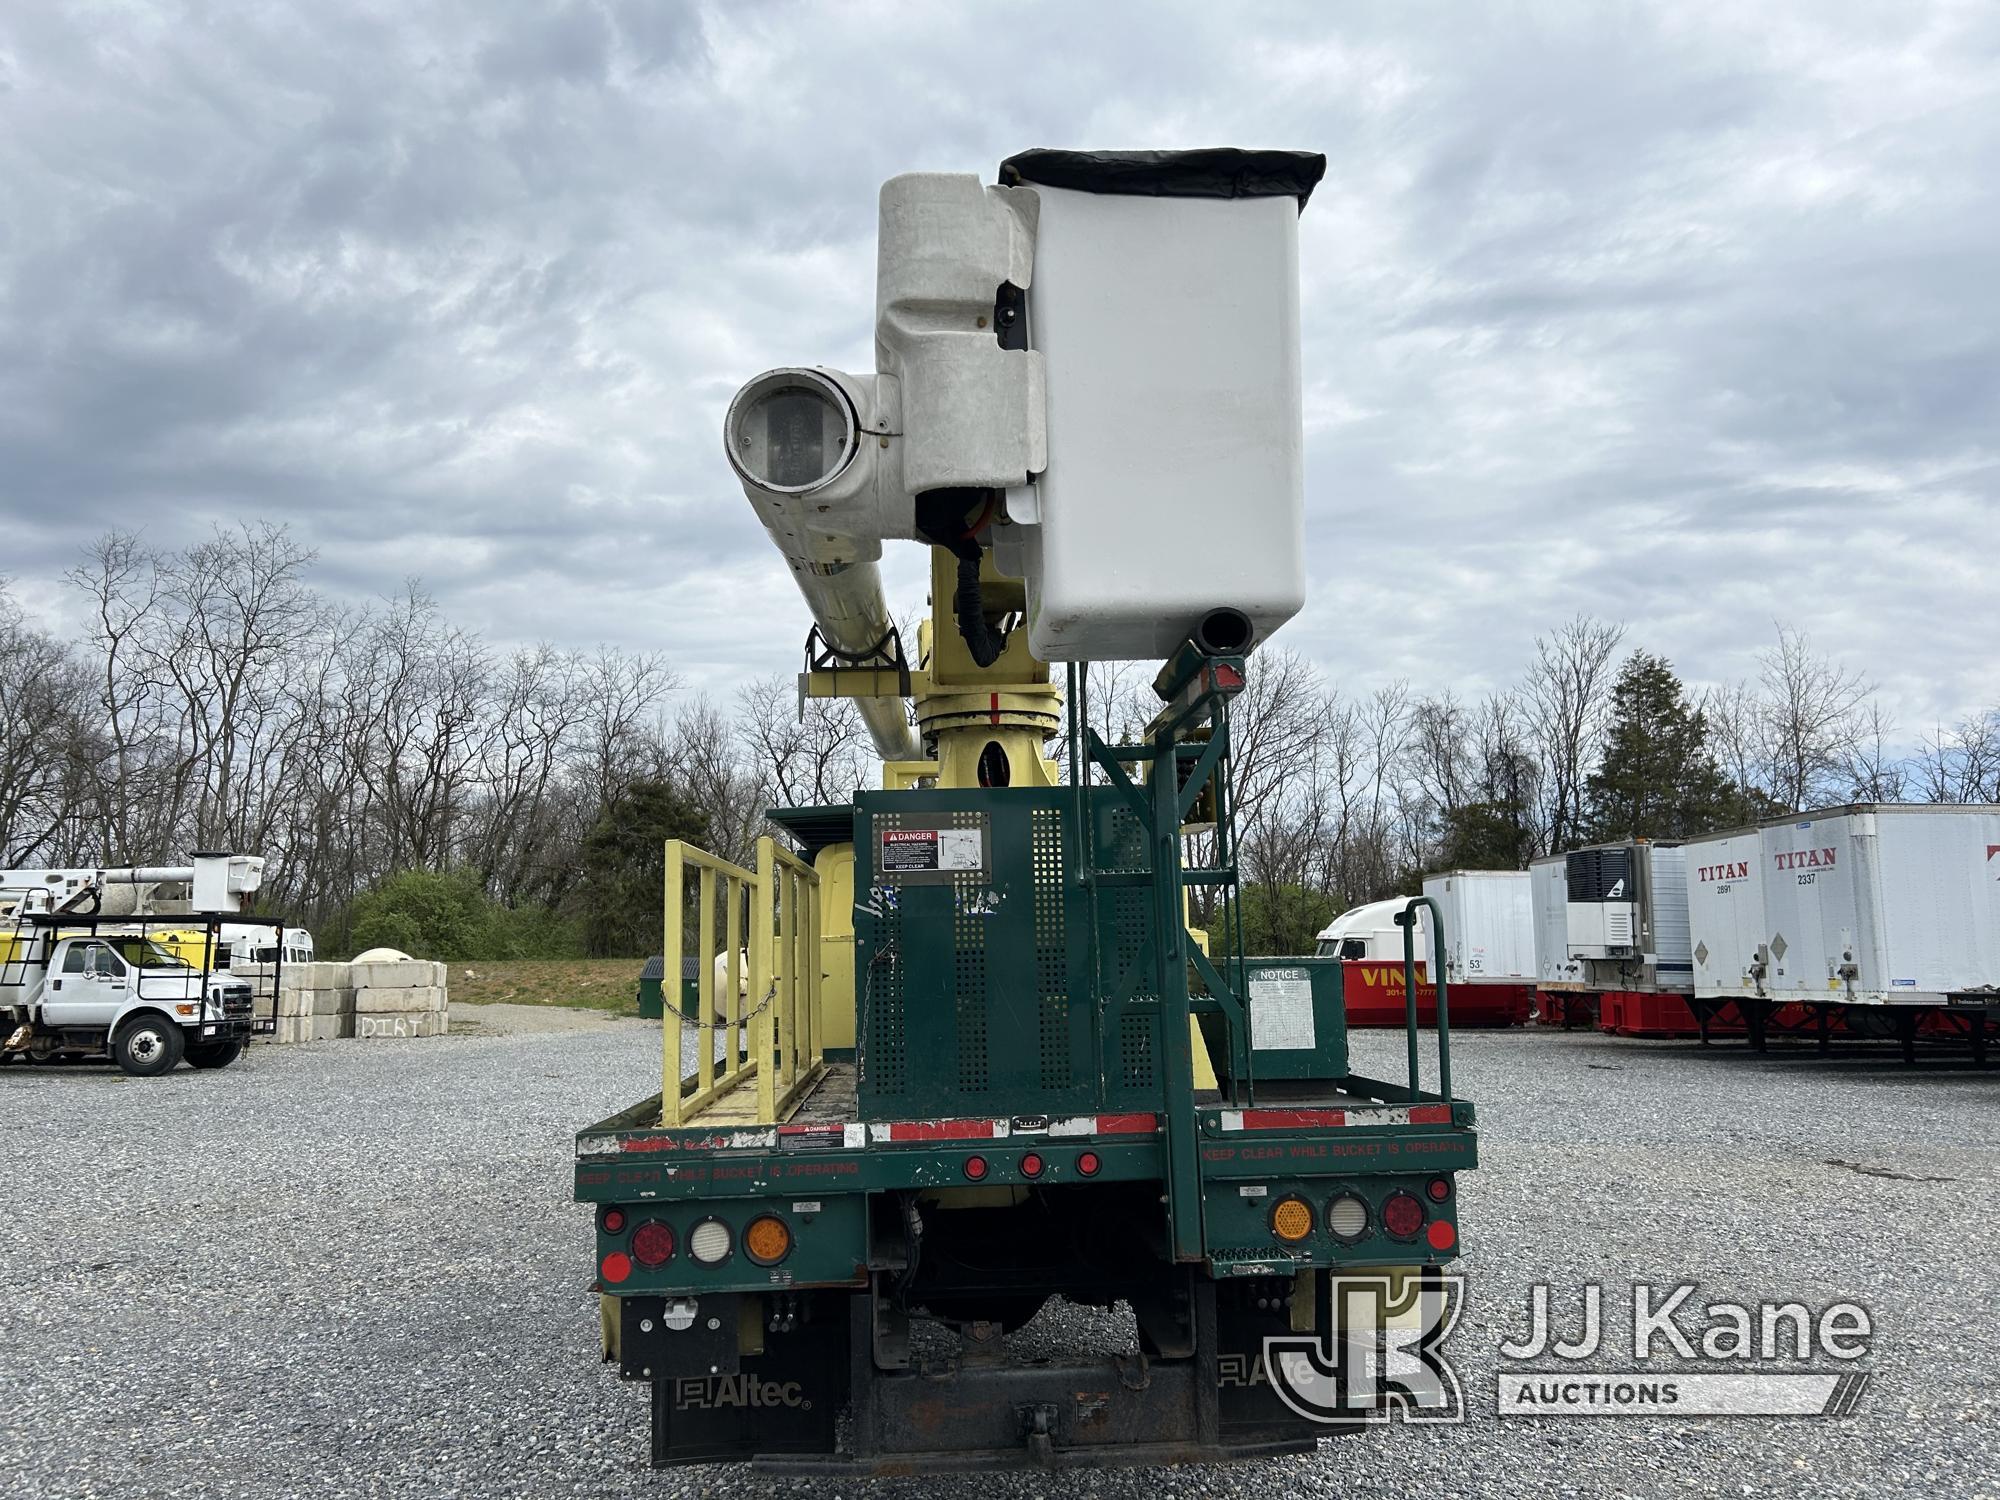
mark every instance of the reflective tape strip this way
{"type": "Point", "coordinates": [856, 1134]}
{"type": "Point", "coordinates": [1334, 1119]}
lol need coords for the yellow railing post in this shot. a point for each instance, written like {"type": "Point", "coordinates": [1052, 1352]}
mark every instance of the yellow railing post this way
{"type": "Point", "coordinates": [737, 1050]}
{"type": "Point", "coordinates": [670, 1032]}
{"type": "Point", "coordinates": [764, 1026]}
{"type": "Point", "coordinates": [814, 974]}
{"type": "Point", "coordinates": [788, 974]}
{"type": "Point", "coordinates": [704, 984]}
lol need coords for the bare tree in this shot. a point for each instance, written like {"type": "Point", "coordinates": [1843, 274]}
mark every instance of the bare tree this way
{"type": "Point", "coordinates": [1566, 706]}
{"type": "Point", "coordinates": [1811, 720]}
{"type": "Point", "coordinates": [44, 691]}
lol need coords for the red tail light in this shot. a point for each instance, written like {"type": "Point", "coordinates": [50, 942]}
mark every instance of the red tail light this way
{"type": "Point", "coordinates": [1403, 1216]}
{"type": "Point", "coordinates": [652, 1243]}
{"type": "Point", "coordinates": [614, 1220]}
{"type": "Point", "coordinates": [975, 1167]}
{"type": "Point", "coordinates": [615, 1267]}
{"type": "Point", "coordinates": [1441, 1235]}
{"type": "Point", "coordinates": [1088, 1164]}
{"type": "Point", "coordinates": [1439, 1188]}
{"type": "Point", "coordinates": [1031, 1165]}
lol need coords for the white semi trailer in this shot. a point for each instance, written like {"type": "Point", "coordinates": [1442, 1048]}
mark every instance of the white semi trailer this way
{"type": "Point", "coordinates": [1489, 922]}
{"type": "Point", "coordinates": [1871, 907]}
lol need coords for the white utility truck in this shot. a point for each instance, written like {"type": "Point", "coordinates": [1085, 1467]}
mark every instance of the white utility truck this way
{"type": "Point", "coordinates": [76, 981]}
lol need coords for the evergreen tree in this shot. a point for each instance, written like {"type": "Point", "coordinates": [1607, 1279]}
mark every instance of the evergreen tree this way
{"type": "Point", "coordinates": [1658, 778]}
{"type": "Point", "coordinates": [1283, 918]}
{"type": "Point", "coordinates": [625, 869]}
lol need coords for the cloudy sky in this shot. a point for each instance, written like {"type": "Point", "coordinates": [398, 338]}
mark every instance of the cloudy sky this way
{"type": "Point", "coordinates": [1682, 315]}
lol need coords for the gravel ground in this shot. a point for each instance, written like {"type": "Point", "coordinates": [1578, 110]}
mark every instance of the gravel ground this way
{"type": "Point", "coordinates": [353, 1269]}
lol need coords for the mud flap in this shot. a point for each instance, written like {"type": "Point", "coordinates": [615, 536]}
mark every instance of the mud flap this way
{"type": "Point", "coordinates": [1249, 1409]}
{"type": "Point", "coordinates": [784, 1398]}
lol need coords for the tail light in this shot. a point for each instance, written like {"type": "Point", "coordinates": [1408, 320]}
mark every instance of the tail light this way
{"type": "Point", "coordinates": [1292, 1220]}
{"type": "Point", "coordinates": [975, 1167]}
{"type": "Point", "coordinates": [1088, 1163]}
{"type": "Point", "coordinates": [652, 1243]}
{"type": "Point", "coordinates": [1031, 1165]}
{"type": "Point", "coordinates": [1403, 1216]}
{"type": "Point", "coordinates": [1439, 1189]}
{"type": "Point", "coordinates": [710, 1242]}
{"type": "Point", "coordinates": [767, 1240]}
{"type": "Point", "coordinates": [1441, 1234]}
{"type": "Point", "coordinates": [613, 1220]}
{"type": "Point", "coordinates": [1347, 1218]}
{"type": "Point", "coordinates": [615, 1267]}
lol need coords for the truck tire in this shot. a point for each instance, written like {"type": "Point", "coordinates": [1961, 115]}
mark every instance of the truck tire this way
{"type": "Point", "coordinates": [213, 1054]}
{"type": "Point", "coordinates": [148, 1046]}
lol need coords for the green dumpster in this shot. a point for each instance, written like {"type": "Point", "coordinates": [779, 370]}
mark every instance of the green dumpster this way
{"type": "Point", "coordinates": [652, 988]}
{"type": "Point", "coordinates": [651, 1001]}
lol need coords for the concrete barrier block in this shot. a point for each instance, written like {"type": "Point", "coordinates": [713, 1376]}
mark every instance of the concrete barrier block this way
{"type": "Point", "coordinates": [315, 1003]}
{"type": "Point", "coordinates": [394, 974]}
{"type": "Point", "coordinates": [401, 1025]}
{"type": "Point", "coordinates": [314, 1028]}
{"type": "Point", "coordinates": [384, 1002]}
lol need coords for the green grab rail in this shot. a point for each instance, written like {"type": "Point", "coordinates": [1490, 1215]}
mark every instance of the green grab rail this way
{"type": "Point", "coordinates": [1407, 920]}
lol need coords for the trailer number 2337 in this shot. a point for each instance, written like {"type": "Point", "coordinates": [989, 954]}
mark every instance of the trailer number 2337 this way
{"type": "Point", "coordinates": [1808, 878]}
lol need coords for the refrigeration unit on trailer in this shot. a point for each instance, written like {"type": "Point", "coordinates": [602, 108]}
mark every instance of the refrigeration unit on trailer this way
{"type": "Point", "coordinates": [1872, 905]}
{"type": "Point", "coordinates": [1611, 920]}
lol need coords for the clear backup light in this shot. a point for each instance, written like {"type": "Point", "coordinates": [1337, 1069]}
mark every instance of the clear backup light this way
{"type": "Point", "coordinates": [710, 1242]}
{"type": "Point", "coordinates": [1347, 1218]}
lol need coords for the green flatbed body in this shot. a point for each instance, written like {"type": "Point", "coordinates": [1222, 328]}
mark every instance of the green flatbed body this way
{"type": "Point", "coordinates": [814, 1174]}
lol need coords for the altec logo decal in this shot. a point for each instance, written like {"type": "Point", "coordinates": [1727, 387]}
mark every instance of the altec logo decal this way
{"type": "Point", "coordinates": [722, 1392]}
{"type": "Point", "coordinates": [1735, 871]}
{"type": "Point", "coordinates": [1804, 859]}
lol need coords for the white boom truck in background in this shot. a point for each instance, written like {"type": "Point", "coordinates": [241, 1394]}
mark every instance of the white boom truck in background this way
{"type": "Point", "coordinates": [77, 980]}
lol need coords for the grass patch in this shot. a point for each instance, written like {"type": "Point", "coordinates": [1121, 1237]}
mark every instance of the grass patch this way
{"type": "Point", "coordinates": [580, 983]}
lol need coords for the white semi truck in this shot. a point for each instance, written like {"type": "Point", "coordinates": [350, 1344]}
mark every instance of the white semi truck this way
{"type": "Point", "coordinates": [78, 981]}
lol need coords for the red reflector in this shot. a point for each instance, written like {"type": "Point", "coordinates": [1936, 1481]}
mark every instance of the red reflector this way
{"type": "Point", "coordinates": [1031, 1165]}
{"type": "Point", "coordinates": [1402, 1216]}
{"type": "Point", "coordinates": [1088, 1164]}
{"type": "Point", "coordinates": [975, 1167]}
{"type": "Point", "coordinates": [1441, 1235]}
{"type": "Point", "coordinates": [615, 1267]}
{"type": "Point", "coordinates": [614, 1220]}
{"type": "Point", "coordinates": [652, 1243]}
{"type": "Point", "coordinates": [1438, 1188]}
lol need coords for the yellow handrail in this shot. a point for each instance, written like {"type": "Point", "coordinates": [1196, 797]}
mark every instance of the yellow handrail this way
{"type": "Point", "coordinates": [790, 1039]}
{"type": "Point", "coordinates": [778, 1027]}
